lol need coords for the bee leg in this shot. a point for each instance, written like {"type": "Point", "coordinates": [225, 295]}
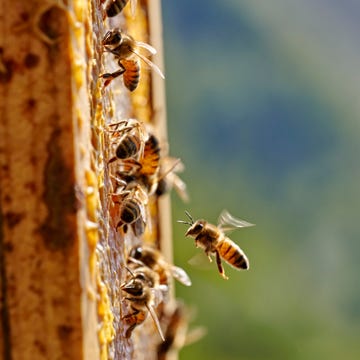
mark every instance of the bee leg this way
{"type": "Point", "coordinates": [114, 158]}
{"type": "Point", "coordinates": [130, 319]}
{"type": "Point", "coordinates": [111, 76]}
{"type": "Point", "coordinates": [122, 225]}
{"type": "Point", "coordinates": [219, 265]}
{"type": "Point", "coordinates": [208, 253]}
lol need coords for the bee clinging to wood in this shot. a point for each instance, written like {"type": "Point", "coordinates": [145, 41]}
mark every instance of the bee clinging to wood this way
{"type": "Point", "coordinates": [175, 320]}
{"type": "Point", "coordinates": [126, 51]}
{"type": "Point", "coordinates": [146, 255]}
{"type": "Point", "coordinates": [128, 139]}
{"type": "Point", "coordinates": [145, 170]}
{"type": "Point", "coordinates": [114, 7]}
{"type": "Point", "coordinates": [144, 294]}
{"type": "Point", "coordinates": [129, 205]}
{"type": "Point", "coordinates": [213, 240]}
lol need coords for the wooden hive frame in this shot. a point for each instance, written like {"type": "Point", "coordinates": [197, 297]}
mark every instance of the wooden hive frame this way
{"type": "Point", "coordinates": [61, 262]}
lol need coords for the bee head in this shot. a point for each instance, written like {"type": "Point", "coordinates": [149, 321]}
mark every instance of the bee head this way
{"type": "Point", "coordinates": [196, 228]}
{"type": "Point", "coordinates": [112, 38]}
{"type": "Point", "coordinates": [133, 287]}
{"type": "Point", "coordinates": [136, 252]}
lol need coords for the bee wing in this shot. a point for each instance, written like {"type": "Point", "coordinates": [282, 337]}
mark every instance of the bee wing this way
{"type": "Point", "coordinates": [156, 321]}
{"type": "Point", "coordinates": [147, 47]}
{"type": "Point", "coordinates": [180, 275]}
{"type": "Point", "coordinates": [133, 4]}
{"type": "Point", "coordinates": [195, 335]}
{"type": "Point", "coordinates": [171, 166]}
{"type": "Point", "coordinates": [159, 294]}
{"type": "Point", "coordinates": [150, 64]}
{"type": "Point", "coordinates": [227, 222]}
{"type": "Point", "coordinates": [200, 261]}
{"type": "Point", "coordinates": [180, 188]}
{"type": "Point", "coordinates": [138, 227]}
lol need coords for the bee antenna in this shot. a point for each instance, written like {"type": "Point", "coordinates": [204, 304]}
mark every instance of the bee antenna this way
{"type": "Point", "coordinates": [128, 269]}
{"type": "Point", "coordinates": [170, 169]}
{"type": "Point", "coordinates": [184, 222]}
{"type": "Point", "coordinates": [191, 222]}
{"type": "Point", "coordinates": [189, 216]}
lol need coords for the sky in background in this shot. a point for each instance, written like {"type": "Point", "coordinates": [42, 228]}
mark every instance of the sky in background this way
{"type": "Point", "coordinates": [263, 108]}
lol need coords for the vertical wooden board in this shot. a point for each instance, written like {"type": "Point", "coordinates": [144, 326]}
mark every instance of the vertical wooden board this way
{"type": "Point", "coordinates": [40, 247]}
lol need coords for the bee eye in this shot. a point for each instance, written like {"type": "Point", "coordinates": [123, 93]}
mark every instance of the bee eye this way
{"type": "Point", "coordinates": [137, 253]}
{"type": "Point", "coordinates": [116, 38]}
{"type": "Point", "coordinates": [141, 277]}
{"type": "Point", "coordinates": [198, 227]}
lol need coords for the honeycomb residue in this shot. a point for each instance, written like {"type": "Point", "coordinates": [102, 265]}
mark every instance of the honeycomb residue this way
{"type": "Point", "coordinates": [106, 332]}
{"type": "Point", "coordinates": [108, 247]}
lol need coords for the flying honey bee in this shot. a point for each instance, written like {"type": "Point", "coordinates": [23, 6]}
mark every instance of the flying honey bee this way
{"type": "Point", "coordinates": [126, 51]}
{"type": "Point", "coordinates": [128, 139]}
{"type": "Point", "coordinates": [128, 206]}
{"type": "Point", "coordinates": [115, 7]}
{"type": "Point", "coordinates": [153, 259]}
{"type": "Point", "coordinates": [213, 240]}
{"type": "Point", "coordinates": [144, 293]}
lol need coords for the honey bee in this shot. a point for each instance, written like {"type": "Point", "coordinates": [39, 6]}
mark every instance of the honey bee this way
{"type": "Point", "coordinates": [144, 293]}
{"type": "Point", "coordinates": [115, 7]}
{"type": "Point", "coordinates": [126, 50]}
{"type": "Point", "coordinates": [128, 206]}
{"type": "Point", "coordinates": [156, 173]}
{"type": "Point", "coordinates": [176, 319]}
{"type": "Point", "coordinates": [145, 170]}
{"type": "Point", "coordinates": [128, 140]}
{"type": "Point", "coordinates": [213, 240]}
{"type": "Point", "coordinates": [153, 259]}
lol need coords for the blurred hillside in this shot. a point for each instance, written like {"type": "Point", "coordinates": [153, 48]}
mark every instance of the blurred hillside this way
{"type": "Point", "coordinates": [263, 109]}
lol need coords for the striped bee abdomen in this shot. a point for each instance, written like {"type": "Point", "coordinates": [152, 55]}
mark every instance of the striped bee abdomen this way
{"type": "Point", "coordinates": [151, 161]}
{"type": "Point", "coordinates": [130, 211]}
{"type": "Point", "coordinates": [128, 147]}
{"type": "Point", "coordinates": [131, 75]}
{"type": "Point", "coordinates": [232, 254]}
{"type": "Point", "coordinates": [114, 7]}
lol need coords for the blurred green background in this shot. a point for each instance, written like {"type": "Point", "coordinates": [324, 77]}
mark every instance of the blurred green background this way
{"type": "Point", "coordinates": [263, 108]}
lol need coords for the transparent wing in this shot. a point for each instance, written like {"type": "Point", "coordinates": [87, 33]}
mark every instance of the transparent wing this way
{"type": "Point", "coordinates": [150, 64]}
{"type": "Point", "coordinates": [147, 47]}
{"type": "Point", "coordinates": [195, 335]}
{"type": "Point", "coordinates": [200, 261]}
{"type": "Point", "coordinates": [133, 4]}
{"type": "Point", "coordinates": [180, 187]}
{"type": "Point", "coordinates": [156, 321]}
{"type": "Point", "coordinates": [180, 275]}
{"type": "Point", "coordinates": [159, 294]}
{"type": "Point", "coordinates": [227, 222]}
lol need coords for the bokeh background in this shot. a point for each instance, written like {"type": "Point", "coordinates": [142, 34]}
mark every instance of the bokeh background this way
{"type": "Point", "coordinates": [263, 108]}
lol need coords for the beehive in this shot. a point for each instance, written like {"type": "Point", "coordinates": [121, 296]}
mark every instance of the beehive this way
{"type": "Point", "coordinates": [61, 260]}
